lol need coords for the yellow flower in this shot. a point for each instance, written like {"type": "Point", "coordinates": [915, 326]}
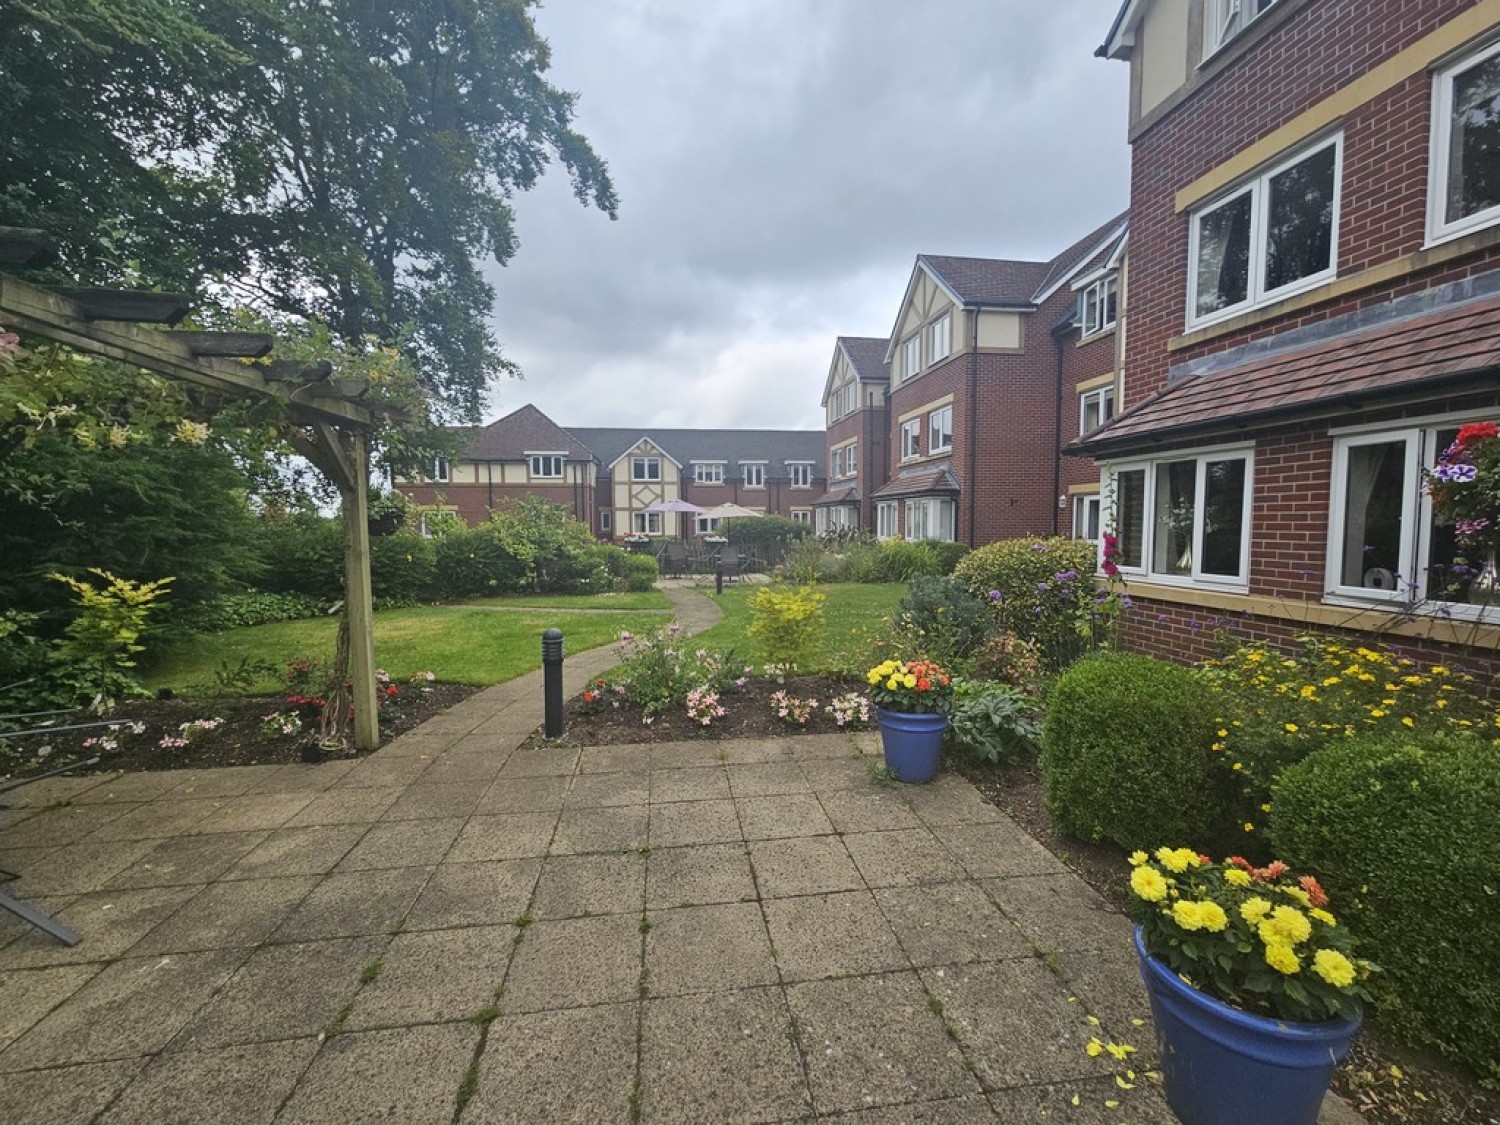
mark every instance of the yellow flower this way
{"type": "Point", "coordinates": [1323, 916]}
{"type": "Point", "coordinates": [1334, 967]}
{"type": "Point", "coordinates": [1148, 884]}
{"type": "Point", "coordinates": [1406, 721]}
{"type": "Point", "coordinates": [892, 684]}
{"type": "Point", "coordinates": [1286, 926]}
{"type": "Point", "coordinates": [1236, 878]}
{"type": "Point", "coordinates": [909, 680]}
{"type": "Point", "coordinates": [1282, 959]}
{"type": "Point", "coordinates": [1137, 858]}
{"type": "Point", "coordinates": [1291, 728]}
{"type": "Point", "coordinates": [1249, 827]}
{"type": "Point", "coordinates": [1223, 734]}
{"type": "Point", "coordinates": [1439, 670]}
{"type": "Point", "coordinates": [1188, 915]}
{"type": "Point", "coordinates": [1177, 860]}
{"type": "Point", "coordinates": [1212, 917]}
{"type": "Point", "coordinates": [1297, 893]}
{"type": "Point", "coordinates": [1254, 909]}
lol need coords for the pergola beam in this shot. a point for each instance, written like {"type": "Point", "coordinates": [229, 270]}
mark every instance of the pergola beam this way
{"type": "Point", "coordinates": [134, 306]}
{"type": "Point", "coordinates": [26, 248]}
{"type": "Point", "coordinates": [228, 345]}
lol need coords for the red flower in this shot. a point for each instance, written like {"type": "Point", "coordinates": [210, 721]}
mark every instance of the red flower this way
{"type": "Point", "coordinates": [924, 684]}
{"type": "Point", "coordinates": [1476, 431]}
{"type": "Point", "coordinates": [1315, 892]}
{"type": "Point", "coordinates": [391, 690]}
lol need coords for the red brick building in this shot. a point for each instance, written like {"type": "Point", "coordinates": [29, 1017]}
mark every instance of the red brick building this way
{"type": "Point", "coordinates": [1314, 309]}
{"type": "Point", "coordinates": [858, 433]}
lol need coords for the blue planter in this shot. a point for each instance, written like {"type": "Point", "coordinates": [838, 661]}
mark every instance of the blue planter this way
{"type": "Point", "coordinates": [1222, 1066]}
{"type": "Point", "coordinates": [913, 743]}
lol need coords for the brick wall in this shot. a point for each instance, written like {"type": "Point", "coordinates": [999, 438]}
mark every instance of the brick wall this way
{"type": "Point", "coordinates": [474, 502]}
{"type": "Point", "coordinates": [1081, 362]}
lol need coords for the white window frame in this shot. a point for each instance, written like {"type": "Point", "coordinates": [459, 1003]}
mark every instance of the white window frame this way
{"type": "Point", "coordinates": [940, 423]}
{"type": "Point", "coordinates": [706, 525]}
{"type": "Point", "coordinates": [1258, 187]}
{"type": "Point", "coordinates": [802, 515]}
{"type": "Point", "coordinates": [1197, 577]}
{"type": "Point", "coordinates": [1099, 304]}
{"type": "Point", "coordinates": [536, 463]}
{"type": "Point", "coordinates": [752, 474]}
{"type": "Point", "coordinates": [801, 473]}
{"type": "Point", "coordinates": [835, 463]}
{"type": "Point", "coordinates": [1103, 401]}
{"type": "Point", "coordinates": [851, 459]}
{"type": "Point", "coordinates": [645, 523]}
{"type": "Point", "coordinates": [440, 470]}
{"type": "Point", "coordinates": [1224, 21]}
{"type": "Point", "coordinates": [641, 469]}
{"type": "Point", "coordinates": [911, 357]}
{"type": "Point", "coordinates": [911, 439]}
{"type": "Point", "coordinates": [708, 472]}
{"type": "Point", "coordinates": [940, 338]}
{"type": "Point", "coordinates": [606, 519]}
{"type": "Point", "coordinates": [924, 519]}
{"type": "Point", "coordinates": [886, 519]}
{"type": "Point", "coordinates": [1440, 154]}
{"type": "Point", "coordinates": [1087, 507]}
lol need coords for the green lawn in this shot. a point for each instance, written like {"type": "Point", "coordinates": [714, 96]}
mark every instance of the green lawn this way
{"type": "Point", "coordinates": [650, 599]}
{"type": "Point", "coordinates": [854, 616]}
{"type": "Point", "coordinates": [466, 646]}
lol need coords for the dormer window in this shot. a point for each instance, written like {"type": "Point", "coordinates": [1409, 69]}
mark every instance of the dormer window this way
{"type": "Point", "coordinates": [708, 472]}
{"type": "Point", "coordinates": [800, 472]}
{"type": "Point", "coordinates": [546, 466]}
{"type": "Point", "coordinates": [645, 468]}
{"type": "Point", "coordinates": [1098, 305]}
{"type": "Point", "coordinates": [1224, 19]}
{"type": "Point", "coordinates": [753, 474]}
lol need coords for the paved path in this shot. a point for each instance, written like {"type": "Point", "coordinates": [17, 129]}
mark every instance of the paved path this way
{"type": "Point", "coordinates": [457, 928]}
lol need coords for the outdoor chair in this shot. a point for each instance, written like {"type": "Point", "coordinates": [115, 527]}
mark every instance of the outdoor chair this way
{"type": "Point", "coordinates": [674, 560]}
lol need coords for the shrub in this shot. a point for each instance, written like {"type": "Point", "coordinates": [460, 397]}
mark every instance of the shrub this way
{"type": "Point", "coordinates": [474, 563]}
{"type": "Point", "coordinates": [658, 671]}
{"type": "Point", "coordinates": [787, 621]}
{"type": "Point", "coordinates": [1040, 589]}
{"type": "Point", "coordinates": [767, 537]}
{"type": "Point", "coordinates": [993, 722]}
{"type": "Point", "coordinates": [637, 573]}
{"type": "Point", "coordinates": [249, 607]}
{"type": "Point", "coordinates": [940, 619]}
{"type": "Point", "coordinates": [1009, 659]}
{"type": "Point", "coordinates": [1126, 752]}
{"type": "Point", "coordinates": [947, 555]}
{"type": "Point", "coordinates": [1403, 828]}
{"type": "Point", "coordinates": [901, 561]}
{"type": "Point", "coordinates": [403, 568]}
{"type": "Point", "coordinates": [302, 555]}
{"type": "Point", "coordinates": [98, 648]}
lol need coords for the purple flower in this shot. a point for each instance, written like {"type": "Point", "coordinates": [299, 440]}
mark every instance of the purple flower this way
{"type": "Point", "coordinates": [1458, 474]}
{"type": "Point", "coordinates": [1125, 602]}
{"type": "Point", "coordinates": [996, 596]}
{"type": "Point", "coordinates": [1471, 527]}
{"type": "Point", "coordinates": [1065, 575]}
{"type": "Point", "coordinates": [1039, 546]}
{"type": "Point", "coordinates": [1042, 587]}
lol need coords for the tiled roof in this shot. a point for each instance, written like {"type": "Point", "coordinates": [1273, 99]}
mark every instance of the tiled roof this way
{"type": "Point", "coordinates": [849, 494]}
{"type": "Point", "coordinates": [684, 446]}
{"type": "Point", "coordinates": [523, 429]}
{"type": "Point", "coordinates": [867, 356]}
{"type": "Point", "coordinates": [1403, 356]}
{"type": "Point", "coordinates": [920, 482]}
{"type": "Point", "coordinates": [1092, 250]}
{"type": "Point", "coordinates": [988, 281]}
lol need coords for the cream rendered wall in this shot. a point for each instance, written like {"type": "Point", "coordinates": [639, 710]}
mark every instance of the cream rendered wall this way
{"type": "Point", "coordinates": [926, 302]}
{"type": "Point", "coordinates": [632, 496]}
{"type": "Point", "coordinates": [1000, 330]}
{"type": "Point", "coordinates": [1160, 55]}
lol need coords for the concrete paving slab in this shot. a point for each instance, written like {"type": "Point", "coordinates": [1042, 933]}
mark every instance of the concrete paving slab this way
{"type": "Point", "coordinates": [186, 860]}
{"type": "Point", "coordinates": [402, 843]}
{"type": "Point", "coordinates": [614, 759]}
{"type": "Point", "coordinates": [829, 775]}
{"type": "Point", "coordinates": [474, 894]}
{"type": "Point", "coordinates": [1060, 913]}
{"type": "Point", "coordinates": [697, 876]}
{"type": "Point", "coordinates": [602, 958]}
{"type": "Point", "coordinates": [807, 866]}
{"type": "Point", "coordinates": [906, 857]}
{"type": "Point", "coordinates": [950, 924]}
{"type": "Point", "coordinates": [686, 755]}
{"type": "Point", "coordinates": [299, 851]}
{"type": "Point", "coordinates": [949, 799]}
{"type": "Point", "coordinates": [507, 836]}
{"type": "Point", "coordinates": [283, 992]}
{"type": "Point", "coordinates": [381, 772]}
{"type": "Point", "coordinates": [755, 751]}
{"type": "Point", "coordinates": [352, 903]}
{"type": "Point", "coordinates": [871, 1041]}
{"type": "Point", "coordinates": [780, 817]}
{"type": "Point", "coordinates": [65, 1095]}
{"type": "Point", "coordinates": [998, 850]}
{"type": "Point", "coordinates": [226, 915]}
{"type": "Point", "coordinates": [766, 779]}
{"type": "Point", "coordinates": [541, 761]}
{"type": "Point", "coordinates": [574, 1067]}
{"type": "Point", "coordinates": [820, 936]}
{"type": "Point", "coordinates": [573, 886]}
{"type": "Point", "coordinates": [867, 808]}
{"type": "Point", "coordinates": [128, 788]}
{"type": "Point", "coordinates": [523, 794]}
{"type": "Point", "coordinates": [1144, 1105]}
{"type": "Point", "coordinates": [132, 1008]}
{"type": "Point", "coordinates": [26, 997]}
{"type": "Point", "coordinates": [475, 768]}
{"type": "Point", "coordinates": [694, 822]}
{"type": "Point", "coordinates": [419, 743]}
{"type": "Point", "coordinates": [600, 830]}
{"type": "Point", "coordinates": [227, 781]}
{"type": "Point", "coordinates": [59, 827]}
{"type": "Point", "coordinates": [440, 976]}
{"type": "Point", "coordinates": [956, 1111]}
{"type": "Point", "coordinates": [671, 785]}
{"type": "Point", "coordinates": [724, 1056]}
{"type": "Point", "coordinates": [110, 922]}
{"type": "Point", "coordinates": [708, 949]}
{"type": "Point", "coordinates": [304, 777]}
{"type": "Point", "coordinates": [77, 868]}
{"type": "Point", "coordinates": [499, 745]}
{"type": "Point", "coordinates": [225, 1086]}
{"type": "Point", "coordinates": [1015, 1022]}
{"type": "Point", "coordinates": [53, 791]}
{"type": "Point", "coordinates": [254, 811]}
{"type": "Point", "coordinates": [608, 790]}
{"type": "Point", "coordinates": [806, 748]}
{"type": "Point", "coordinates": [423, 801]}
{"type": "Point", "coordinates": [346, 806]}
{"type": "Point", "coordinates": [409, 1074]}
{"type": "Point", "coordinates": [1108, 985]}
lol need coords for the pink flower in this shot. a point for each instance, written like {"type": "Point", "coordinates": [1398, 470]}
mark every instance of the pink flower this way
{"type": "Point", "coordinates": [10, 343]}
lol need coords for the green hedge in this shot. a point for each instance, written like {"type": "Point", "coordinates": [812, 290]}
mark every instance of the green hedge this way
{"type": "Point", "coordinates": [1126, 753]}
{"type": "Point", "coordinates": [1405, 835]}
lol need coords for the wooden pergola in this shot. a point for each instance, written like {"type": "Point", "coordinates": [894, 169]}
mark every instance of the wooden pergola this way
{"type": "Point", "coordinates": [333, 424]}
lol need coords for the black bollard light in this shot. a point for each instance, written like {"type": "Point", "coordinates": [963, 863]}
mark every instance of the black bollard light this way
{"type": "Point", "coordinates": [718, 578]}
{"type": "Point", "coordinates": [552, 682]}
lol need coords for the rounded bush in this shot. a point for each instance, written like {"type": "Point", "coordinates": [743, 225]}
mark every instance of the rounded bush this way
{"type": "Point", "coordinates": [638, 573]}
{"type": "Point", "coordinates": [1041, 589]}
{"type": "Point", "coordinates": [1404, 832]}
{"type": "Point", "coordinates": [403, 568]}
{"type": "Point", "coordinates": [473, 563]}
{"type": "Point", "coordinates": [1126, 753]}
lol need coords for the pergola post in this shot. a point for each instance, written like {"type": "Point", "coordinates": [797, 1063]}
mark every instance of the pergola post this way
{"type": "Point", "coordinates": [359, 602]}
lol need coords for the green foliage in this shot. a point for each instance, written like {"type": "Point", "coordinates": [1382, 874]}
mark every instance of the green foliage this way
{"type": "Point", "coordinates": [403, 568]}
{"type": "Point", "coordinates": [1403, 828]}
{"type": "Point", "coordinates": [1008, 659]}
{"type": "Point", "coordinates": [551, 545]}
{"type": "Point", "coordinates": [302, 554]}
{"type": "Point", "coordinates": [1126, 752]}
{"type": "Point", "coordinates": [901, 561]}
{"type": "Point", "coordinates": [98, 648]}
{"type": "Point", "coordinates": [473, 562]}
{"type": "Point", "coordinates": [770, 537]}
{"type": "Point", "coordinates": [25, 662]}
{"type": "Point", "coordinates": [249, 607]}
{"type": "Point", "coordinates": [1042, 590]}
{"type": "Point", "coordinates": [637, 573]}
{"type": "Point", "coordinates": [993, 722]}
{"type": "Point", "coordinates": [788, 622]}
{"type": "Point", "coordinates": [658, 669]}
{"type": "Point", "coordinates": [941, 620]}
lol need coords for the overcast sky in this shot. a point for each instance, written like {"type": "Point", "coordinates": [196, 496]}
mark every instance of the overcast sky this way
{"type": "Point", "coordinates": [780, 164]}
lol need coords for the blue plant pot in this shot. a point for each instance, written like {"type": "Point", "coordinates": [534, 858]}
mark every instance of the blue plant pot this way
{"type": "Point", "coordinates": [913, 743]}
{"type": "Point", "coordinates": [1222, 1066]}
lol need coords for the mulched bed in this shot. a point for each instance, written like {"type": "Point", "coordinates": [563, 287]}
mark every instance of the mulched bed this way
{"type": "Point", "coordinates": [238, 740]}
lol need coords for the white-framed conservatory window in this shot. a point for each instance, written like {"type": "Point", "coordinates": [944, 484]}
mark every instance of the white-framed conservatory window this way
{"type": "Point", "coordinates": [885, 519]}
{"type": "Point", "coordinates": [1273, 236]}
{"type": "Point", "coordinates": [940, 430]}
{"type": "Point", "coordinates": [929, 519]}
{"type": "Point", "coordinates": [1464, 176]}
{"type": "Point", "coordinates": [1185, 518]}
{"type": "Point", "coordinates": [1384, 544]}
{"type": "Point", "coordinates": [645, 523]}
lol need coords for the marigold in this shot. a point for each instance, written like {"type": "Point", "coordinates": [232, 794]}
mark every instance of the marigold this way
{"type": "Point", "coordinates": [1236, 878]}
{"type": "Point", "coordinates": [1177, 860]}
{"type": "Point", "coordinates": [1286, 926]}
{"type": "Point", "coordinates": [1334, 967]}
{"type": "Point", "coordinates": [1137, 858]}
{"type": "Point", "coordinates": [1147, 883]}
{"type": "Point", "coordinates": [1283, 959]}
{"type": "Point", "coordinates": [1323, 916]}
{"type": "Point", "coordinates": [1315, 892]}
{"type": "Point", "coordinates": [1254, 909]}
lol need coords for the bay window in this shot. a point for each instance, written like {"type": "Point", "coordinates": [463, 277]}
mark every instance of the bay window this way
{"type": "Point", "coordinates": [885, 519]}
{"type": "Point", "coordinates": [929, 519]}
{"type": "Point", "coordinates": [1185, 518]}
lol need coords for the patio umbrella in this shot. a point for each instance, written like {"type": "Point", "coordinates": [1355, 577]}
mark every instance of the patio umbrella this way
{"type": "Point", "coordinates": [731, 512]}
{"type": "Point", "coordinates": [673, 506]}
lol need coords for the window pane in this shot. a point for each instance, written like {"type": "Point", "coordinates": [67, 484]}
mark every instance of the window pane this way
{"type": "Point", "coordinates": [1299, 220]}
{"type": "Point", "coordinates": [1091, 418]}
{"type": "Point", "coordinates": [1374, 497]}
{"type": "Point", "coordinates": [1474, 145]}
{"type": "Point", "coordinates": [1223, 256]}
{"type": "Point", "coordinates": [1176, 501]}
{"type": "Point", "coordinates": [1130, 517]}
{"type": "Point", "coordinates": [1223, 517]}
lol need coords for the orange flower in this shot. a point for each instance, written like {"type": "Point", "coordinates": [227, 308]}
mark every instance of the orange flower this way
{"type": "Point", "coordinates": [1315, 892]}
